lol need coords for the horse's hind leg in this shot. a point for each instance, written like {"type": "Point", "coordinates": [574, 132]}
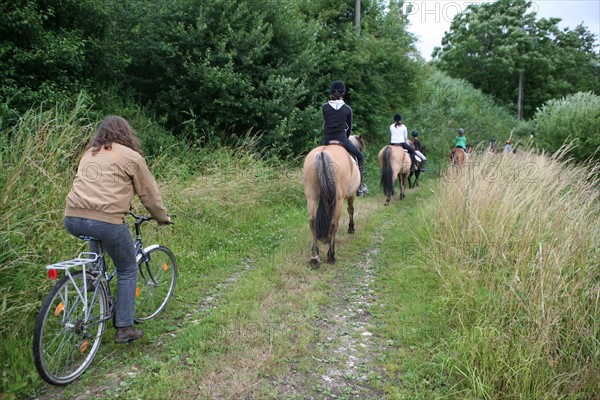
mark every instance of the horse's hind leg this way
{"type": "Point", "coordinates": [351, 229]}
{"type": "Point", "coordinates": [402, 181]}
{"type": "Point", "coordinates": [331, 241]}
{"type": "Point", "coordinates": [315, 261]}
{"type": "Point", "coordinates": [331, 252]}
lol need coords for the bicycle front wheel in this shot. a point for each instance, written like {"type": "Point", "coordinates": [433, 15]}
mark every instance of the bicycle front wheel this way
{"type": "Point", "coordinates": [157, 274]}
{"type": "Point", "coordinates": [66, 337]}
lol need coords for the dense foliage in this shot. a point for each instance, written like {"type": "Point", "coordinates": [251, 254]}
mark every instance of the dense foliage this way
{"type": "Point", "coordinates": [491, 44]}
{"type": "Point", "coordinates": [49, 50]}
{"type": "Point", "coordinates": [208, 67]}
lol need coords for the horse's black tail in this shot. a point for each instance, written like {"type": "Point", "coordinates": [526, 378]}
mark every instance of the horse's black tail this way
{"type": "Point", "coordinates": [327, 198]}
{"type": "Point", "coordinates": [387, 172]}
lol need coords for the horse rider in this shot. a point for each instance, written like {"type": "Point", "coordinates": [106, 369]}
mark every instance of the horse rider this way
{"type": "Point", "coordinates": [399, 137]}
{"type": "Point", "coordinates": [418, 149]}
{"type": "Point", "coordinates": [337, 127]}
{"type": "Point", "coordinates": [507, 148]}
{"type": "Point", "coordinates": [493, 146]}
{"type": "Point", "coordinates": [461, 140]}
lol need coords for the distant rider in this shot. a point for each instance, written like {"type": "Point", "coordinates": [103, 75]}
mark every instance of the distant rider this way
{"type": "Point", "coordinates": [418, 149]}
{"type": "Point", "coordinates": [461, 140]}
{"type": "Point", "coordinates": [399, 137]}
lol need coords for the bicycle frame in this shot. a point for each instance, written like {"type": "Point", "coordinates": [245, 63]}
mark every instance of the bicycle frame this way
{"type": "Point", "coordinates": [70, 325]}
{"type": "Point", "coordinates": [86, 258]}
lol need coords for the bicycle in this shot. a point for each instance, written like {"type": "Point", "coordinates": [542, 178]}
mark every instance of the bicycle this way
{"type": "Point", "coordinates": [69, 328]}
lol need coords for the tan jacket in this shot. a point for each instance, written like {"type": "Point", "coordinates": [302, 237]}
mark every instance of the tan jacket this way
{"type": "Point", "coordinates": [106, 183]}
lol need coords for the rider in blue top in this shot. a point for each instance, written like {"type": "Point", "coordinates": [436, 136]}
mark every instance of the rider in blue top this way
{"type": "Point", "coordinates": [337, 127]}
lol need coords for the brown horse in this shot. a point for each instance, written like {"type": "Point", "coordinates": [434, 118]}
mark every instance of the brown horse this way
{"type": "Point", "coordinates": [458, 156]}
{"type": "Point", "coordinates": [394, 163]}
{"type": "Point", "coordinates": [330, 176]}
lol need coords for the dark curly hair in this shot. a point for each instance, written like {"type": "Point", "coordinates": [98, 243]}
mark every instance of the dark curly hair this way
{"type": "Point", "coordinates": [115, 129]}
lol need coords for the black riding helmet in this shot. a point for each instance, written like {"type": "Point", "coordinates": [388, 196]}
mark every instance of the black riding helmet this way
{"type": "Point", "coordinates": [415, 133]}
{"type": "Point", "coordinates": [397, 117]}
{"type": "Point", "coordinates": [338, 87]}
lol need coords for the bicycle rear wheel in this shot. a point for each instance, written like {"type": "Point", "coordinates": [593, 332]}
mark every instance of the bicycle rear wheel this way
{"type": "Point", "coordinates": [65, 339]}
{"type": "Point", "coordinates": [157, 274]}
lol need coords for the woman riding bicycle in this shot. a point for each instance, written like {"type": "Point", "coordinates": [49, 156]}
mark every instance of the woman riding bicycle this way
{"type": "Point", "coordinates": [110, 173]}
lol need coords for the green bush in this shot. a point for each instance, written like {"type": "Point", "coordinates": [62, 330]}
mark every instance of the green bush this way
{"type": "Point", "coordinates": [573, 119]}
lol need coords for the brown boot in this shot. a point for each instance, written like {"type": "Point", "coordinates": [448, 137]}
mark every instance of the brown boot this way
{"type": "Point", "coordinates": [128, 334]}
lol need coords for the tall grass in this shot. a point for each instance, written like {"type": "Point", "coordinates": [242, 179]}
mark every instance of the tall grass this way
{"type": "Point", "coordinates": [228, 204]}
{"type": "Point", "coordinates": [516, 240]}
{"type": "Point", "coordinates": [36, 154]}
{"type": "Point", "coordinates": [39, 151]}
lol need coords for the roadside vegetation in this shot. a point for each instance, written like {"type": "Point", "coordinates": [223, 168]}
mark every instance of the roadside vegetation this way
{"type": "Point", "coordinates": [515, 242]}
{"type": "Point", "coordinates": [472, 283]}
{"type": "Point", "coordinates": [482, 284]}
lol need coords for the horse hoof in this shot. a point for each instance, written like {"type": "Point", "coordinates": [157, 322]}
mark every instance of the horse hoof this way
{"type": "Point", "coordinates": [351, 231]}
{"type": "Point", "coordinates": [315, 262]}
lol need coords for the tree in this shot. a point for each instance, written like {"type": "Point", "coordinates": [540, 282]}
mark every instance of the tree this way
{"type": "Point", "coordinates": [48, 49]}
{"type": "Point", "coordinates": [505, 51]}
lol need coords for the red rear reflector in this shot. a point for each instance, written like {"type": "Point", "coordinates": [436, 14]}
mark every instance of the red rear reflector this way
{"type": "Point", "coordinates": [52, 274]}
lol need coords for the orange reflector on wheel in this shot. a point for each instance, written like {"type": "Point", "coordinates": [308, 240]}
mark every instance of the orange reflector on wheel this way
{"type": "Point", "coordinates": [137, 291]}
{"type": "Point", "coordinates": [84, 346]}
{"type": "Point", "coordinates": [59, 309]}
{"type": "Point", "coordinates": [52, 274]}
{"type": "Point", "coordinates": [165, 266]}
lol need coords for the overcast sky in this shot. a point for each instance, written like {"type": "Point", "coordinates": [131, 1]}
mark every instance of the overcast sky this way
{"type": "Point", "coordinates": [431, 18]}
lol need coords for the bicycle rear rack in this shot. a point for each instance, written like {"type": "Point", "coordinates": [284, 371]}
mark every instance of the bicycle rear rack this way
{"type": "Point", "coordinates": [76, 262]}
{"type": "Point", "coordinates": [82, 260]}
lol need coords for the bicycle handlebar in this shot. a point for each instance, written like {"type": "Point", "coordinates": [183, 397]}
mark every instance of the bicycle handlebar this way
{"type": "Point", "coordinates": [139, 219]}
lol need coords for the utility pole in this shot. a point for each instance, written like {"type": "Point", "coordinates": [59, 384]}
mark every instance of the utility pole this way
{"type": "Point", "coordinates": [357, 15]}
{"type": "Point", "coordinates": [520, 96]}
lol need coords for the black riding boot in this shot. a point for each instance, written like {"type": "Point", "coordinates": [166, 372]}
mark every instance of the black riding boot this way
{"type": "Point", "coordinates": [362, 189]}
{"type": "Point", "coordinates": [413, 166]}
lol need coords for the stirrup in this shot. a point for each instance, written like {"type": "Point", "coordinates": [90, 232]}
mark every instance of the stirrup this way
{"type": "Point", "coordinates": [362, 190]}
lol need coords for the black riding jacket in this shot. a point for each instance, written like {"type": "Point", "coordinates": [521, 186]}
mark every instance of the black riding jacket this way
{"type": "Point", "coordinates": [337, 120]}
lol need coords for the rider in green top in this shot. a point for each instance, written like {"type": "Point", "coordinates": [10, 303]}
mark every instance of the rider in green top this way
{"type": "Point", "coordinates": [461, 140]}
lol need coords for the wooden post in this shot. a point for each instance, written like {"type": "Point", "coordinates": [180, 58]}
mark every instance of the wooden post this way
{"type": "Point", "coordinates": [520, 96]}
{"type": "Point", "coordinates": [357, 15]}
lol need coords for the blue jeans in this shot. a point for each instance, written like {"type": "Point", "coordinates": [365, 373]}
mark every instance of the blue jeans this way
{"type": "Point", "coordinates": [117, 242]}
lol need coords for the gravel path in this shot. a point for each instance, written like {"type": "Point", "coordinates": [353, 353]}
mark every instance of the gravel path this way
{"type": "Point", "coordinates": [345, 348]}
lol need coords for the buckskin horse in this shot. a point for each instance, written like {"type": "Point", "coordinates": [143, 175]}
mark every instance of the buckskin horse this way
{"type": "Point", "coordinates": [330, 176]}
{"type": "Point", "coordinates": [394, 163]}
